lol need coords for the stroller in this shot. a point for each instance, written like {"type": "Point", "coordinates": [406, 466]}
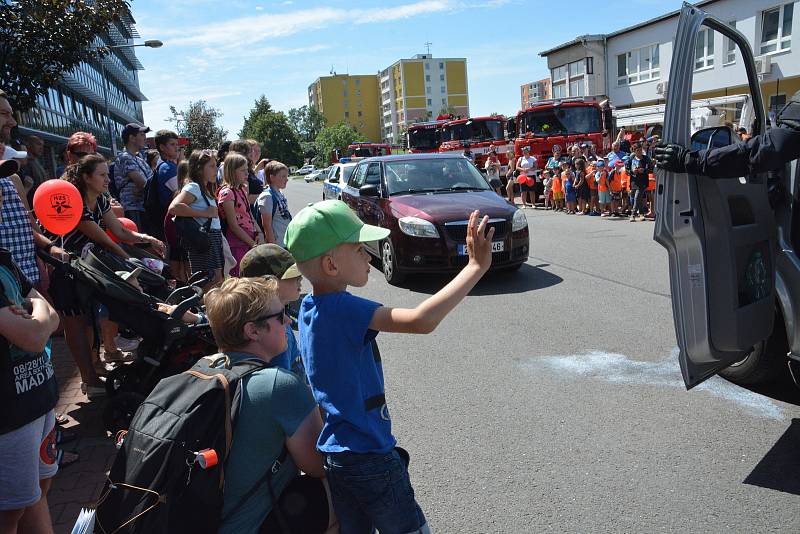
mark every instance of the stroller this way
{"type": "Point", "coordinates": [168, 345]}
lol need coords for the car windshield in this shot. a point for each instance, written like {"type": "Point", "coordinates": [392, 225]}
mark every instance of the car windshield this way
{"type": "Point", "coordinates": [479, 130]}
{"type": "Point", "coordinates": [433, 175]}
{"type": "Point", "coordinates": [346, 172]}
{"type": "Point", "coordinates": [423, 138]}
{"type": "Point", "coordinates": [559, 120]}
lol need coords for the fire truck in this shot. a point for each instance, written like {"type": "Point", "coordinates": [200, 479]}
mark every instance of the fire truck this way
{"type": "Point", "coordinates": [563, 122]}
{"type": "Point", "coordinates": [479, 134]}
{"type": "Point", "coordinates": [361, 150]}
{"type": "Point", "coordinates": [425, 137]}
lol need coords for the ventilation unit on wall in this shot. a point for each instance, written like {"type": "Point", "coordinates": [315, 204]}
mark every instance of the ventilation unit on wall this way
{"type": "Point", "coordinates": [661, 87]}
{"type": "Point", "coordinates": [763, 65]}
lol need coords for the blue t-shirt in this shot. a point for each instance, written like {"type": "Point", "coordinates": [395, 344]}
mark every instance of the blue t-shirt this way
{"type": "Point", "coordinates": [274, 404]}
{"type": "Point", "coordinates": [286, 359]}
{"type": "Point", "coordinates": [346, 376]}
{"type": "Point", "coordinates": [167, 174]}
{"type": "Point", "coordinates": [614, 156]}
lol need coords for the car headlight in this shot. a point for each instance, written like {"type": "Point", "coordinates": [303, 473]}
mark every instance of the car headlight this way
{"type": "Point", "coordinates": [416, 227]}
{"type": "Point", "coordinates": [519, 221]}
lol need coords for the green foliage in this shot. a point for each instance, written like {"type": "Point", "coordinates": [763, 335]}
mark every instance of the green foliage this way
{"type": "Point", "coordinates": [307, 122]}
{"type": "Point", "coordinates": [449, 109]}
{"type": "Point", "coordinates": [273, 130]}
{"type": "Point", "coordinates": [332, 138]}
{"type": "Point", "coordinates": [199, 124]}
{"type": "Point", "coordinates": [40, 40]}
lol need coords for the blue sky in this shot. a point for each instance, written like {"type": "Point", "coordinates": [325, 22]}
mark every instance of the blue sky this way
{"type": "Point", "coordinates": [232, 51]}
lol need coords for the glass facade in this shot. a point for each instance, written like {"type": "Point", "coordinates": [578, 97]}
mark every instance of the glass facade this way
{"type": "Point", "coordinates": [77, 102]}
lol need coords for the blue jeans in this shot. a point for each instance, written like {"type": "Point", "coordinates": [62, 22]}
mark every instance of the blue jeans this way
{"type": "Point", "coordinates": [373, 491]}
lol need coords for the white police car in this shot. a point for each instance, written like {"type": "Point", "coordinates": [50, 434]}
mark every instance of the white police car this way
{"type": "Point", "coordinates": [336, 179]}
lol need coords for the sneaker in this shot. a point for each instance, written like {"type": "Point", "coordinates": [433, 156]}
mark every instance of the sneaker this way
{"type": "Point", "coordinates": [125, 344]}
{"type": "Point", "coordinates": [93, 392]}
{"type": "Point", "coordinates": [640, 218]}
{"type": "Point", "coordinates": [632, 219]}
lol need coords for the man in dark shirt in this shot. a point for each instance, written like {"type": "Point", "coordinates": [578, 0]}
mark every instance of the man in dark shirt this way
{"type": "Point", "coordinates": [638, 167]}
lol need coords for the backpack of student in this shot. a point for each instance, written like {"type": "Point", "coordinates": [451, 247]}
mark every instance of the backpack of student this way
{"type": "Point", "coordinates": [255, 211]}
{"type": "Point", "coordinates": [154, 212]}
{"type": "Point", "coordinates": [112, 184]}
{"type": "Point", "coordinates": [168, 474]}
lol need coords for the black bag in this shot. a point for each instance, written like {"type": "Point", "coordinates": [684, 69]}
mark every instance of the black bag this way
{"type": "Point", "coordinates": [157, 484]}
{"type": "Point", "coordinates": [154, 212]}
{"type": "Point", "coordinates": [191, 234]}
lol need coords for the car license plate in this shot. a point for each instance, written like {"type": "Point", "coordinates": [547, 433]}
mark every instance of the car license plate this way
{"type": "Point", "coordinates": [497, 246]}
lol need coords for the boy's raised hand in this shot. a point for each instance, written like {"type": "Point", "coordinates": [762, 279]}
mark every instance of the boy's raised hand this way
{"type": "Point", "coordinates": [479, 242]}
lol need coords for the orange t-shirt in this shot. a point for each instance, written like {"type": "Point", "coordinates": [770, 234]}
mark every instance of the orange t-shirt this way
{"type": "Point", "coordinates": [616, 182]}
{"type": "Point", "coordinates": [556, 184]}
{"type": "Point", "coordinates": [590, 181]}
{"type": "Point", "coordinates": [625, 180]}
{"type": "Point", "coordinates": [602, 182]}
{"type": "Point", "coordinates": [651, 186]}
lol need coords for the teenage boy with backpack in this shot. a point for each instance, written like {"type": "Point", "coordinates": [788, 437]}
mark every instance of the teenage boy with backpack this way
{"type": "Point", "coordinates": [160, 189]}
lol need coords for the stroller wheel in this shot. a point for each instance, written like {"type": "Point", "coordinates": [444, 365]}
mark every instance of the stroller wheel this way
{"type": "Point", "coordinates": [127, 378]}
{"type": "Point", "coordinates": [120, 410]}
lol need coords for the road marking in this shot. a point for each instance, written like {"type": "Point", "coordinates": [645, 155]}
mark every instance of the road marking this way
{"type": "Point", "coordinates": [620, 369]}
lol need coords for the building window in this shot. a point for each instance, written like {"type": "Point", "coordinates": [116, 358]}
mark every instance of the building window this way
{"type": "Point", "coordinates": [358, 82]}
{"type": "Point", "coordinates": [427, 77]}
{"type": "Point", "coordinates": [346, 114]}
{"type": "Point", "coordinates": [360, 114]}
{"type": "Point", "coordinates": [428, 89]}
{"type": "Point", "coordinates": [441, 66]}
{"type": "Point", "coordinates": [576, 87]}
{"type": "Point", "coordinates": [559, 90]}
{"type": "Point", "coordinates": [430, 102]}
{"type": "Point", "coordinates": [443, 89]}
{"type": "Point", "coordinates": [776, 29]}
{"type": "Point", "coordinates": [589, 65]}
{"type": "Point", "coordinates": [344, 93]}
{"type": "Point", "coordinates": [638, 65]}
{"type": "Point", "coordinates": [427, 66]}
{"type": "Point", "coordinates": [730, 47]}
{"type": "Point", "coordinates": [576, 68]}
{"type": "Point", "coordinates": [441, 77]}
{"type": "Point", "coordinates": [704, 49]}
{"type": "Point", "coordinates": [559, 73]}
{"type": "Point", "coordinates": [444, 101]}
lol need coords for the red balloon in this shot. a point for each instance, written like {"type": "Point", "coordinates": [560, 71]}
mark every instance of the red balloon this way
{"type": "Point", "coordinates": [522, 178]}
{"type": "Point", "coordinates": [127, 223]}
{"type": "Point", "coordinates": [58, 206]}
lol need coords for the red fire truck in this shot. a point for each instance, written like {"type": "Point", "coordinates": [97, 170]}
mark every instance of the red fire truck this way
{"type": "Point", "coordinates": [563, 122]}
{"type": "Point", "coordinates": [479, 134]}
{"type": "Point", "coordinates": [425, 137]}
{"type": "Point", "coordinates": [361, 150]}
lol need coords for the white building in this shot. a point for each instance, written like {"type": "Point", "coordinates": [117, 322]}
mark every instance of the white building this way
{"type": "Point", "coordinates": [631, 66]}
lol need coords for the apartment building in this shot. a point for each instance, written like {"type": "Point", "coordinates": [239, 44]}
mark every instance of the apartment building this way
{"type": "Point", "coordinates": [631, 66]}
{"type": "Point", "coordinates": [76, 102]}
{"type": "Point", "coordinates": [352, 99]}
{"type": "Point", "coordinates": [418, 89]}
{"type": "Point", "coordinates": [532, 92]}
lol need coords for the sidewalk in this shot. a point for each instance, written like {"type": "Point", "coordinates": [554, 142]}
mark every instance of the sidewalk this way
{"type": "Point", "coordinates": [78, 485]}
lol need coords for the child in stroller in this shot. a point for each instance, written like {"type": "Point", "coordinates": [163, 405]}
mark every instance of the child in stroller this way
{"type": "Point", "coordinates": [169, 345]}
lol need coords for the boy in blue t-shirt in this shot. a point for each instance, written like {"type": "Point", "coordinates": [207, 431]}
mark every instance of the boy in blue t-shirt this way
{"type": "Point", "coordinates": [337, 338]}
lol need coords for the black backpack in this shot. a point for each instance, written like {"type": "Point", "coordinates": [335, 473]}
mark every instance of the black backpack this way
{"type": "Point", "coordinates": [157, 484]}
{"type": "Point", "coordinates": [255, 211]}
{"type": "Point", "coordinates": [154, 212]}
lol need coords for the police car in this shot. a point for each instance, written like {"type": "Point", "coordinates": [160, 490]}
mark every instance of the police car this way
{"type": "Point", "coordinates": [337, 178]}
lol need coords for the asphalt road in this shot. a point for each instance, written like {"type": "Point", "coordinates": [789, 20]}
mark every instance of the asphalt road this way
{"type": "Point", "coordinates": [551, 399]}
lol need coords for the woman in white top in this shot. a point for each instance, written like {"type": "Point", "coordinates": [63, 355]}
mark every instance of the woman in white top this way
{"type": "Point", "coordinates": [198, 199]}
{"type": "Point", "coordinates": [526, 164]}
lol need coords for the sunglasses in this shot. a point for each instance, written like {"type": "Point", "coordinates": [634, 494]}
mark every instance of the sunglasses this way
{"type": "Point", "coordinates": [79, 153]}
{"type": "Point", "coordinates": [265, 318]}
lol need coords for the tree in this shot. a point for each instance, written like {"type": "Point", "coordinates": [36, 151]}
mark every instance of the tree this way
{"type": "Point", "coordinates": [41, 40]}
{"type": "Point", "coordinates": [273, 131]}
{"type": "Point", "coordinates": [307, 122]}
{"type": "Point", "coordinates": [332, 138]}
{"type": "Point", "coordinates": [199, 124]}
{"type": "Point", "coordinates": [449, 109]}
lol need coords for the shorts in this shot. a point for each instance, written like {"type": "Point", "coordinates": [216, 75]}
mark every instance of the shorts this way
{"type": "Point", "coordinates": [495, 183]}
{"type": "Point", "coordinates": [572, 197]}
{"type": "Point", "coordinates": [604, 197]}
{"type": "Point", "coordinates": [27, 455]}
{"type": "Point", "coordinates": [558, 195]}
{"type": "Point", "coordinates": [592, 193]}
{"type": "Point", "coordinates": [583, 192]}
{"type": "Point", "coordinates": [525, 188]}
{"type": "Point", "coordinates": [63, 291]}
{"type": "Point", "coordinates": [210, 259]}
{"type": "Point", "coordinates": [616, 196]}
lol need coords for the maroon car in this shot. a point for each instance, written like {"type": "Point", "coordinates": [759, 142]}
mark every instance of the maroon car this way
{"type": "Point", "coordinates": [425, 201]}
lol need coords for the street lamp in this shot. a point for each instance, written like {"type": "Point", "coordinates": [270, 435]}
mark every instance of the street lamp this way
{"type": "Point", "coordinates": [151, 43]}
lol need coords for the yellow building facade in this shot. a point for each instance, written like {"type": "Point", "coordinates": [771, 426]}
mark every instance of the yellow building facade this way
{"type": "Point", "coordinates": [418, 89]}
{"type": "Point", "coordinates": [353, 99]}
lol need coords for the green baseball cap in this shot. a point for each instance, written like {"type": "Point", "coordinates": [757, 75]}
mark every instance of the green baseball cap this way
{"type": "Point", "coordinates": [268, 260]}
{"type": "Point", "coordinates": [321, 226]}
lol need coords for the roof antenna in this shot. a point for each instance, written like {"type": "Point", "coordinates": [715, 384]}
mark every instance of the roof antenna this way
{"type": "Point", "coordinates": [428, 46]}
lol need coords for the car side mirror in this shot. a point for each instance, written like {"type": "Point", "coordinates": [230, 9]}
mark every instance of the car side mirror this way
{"type": "Point", "coordinates": [715, 137]}
{"type": "Point", "coordinates": [369, 190]}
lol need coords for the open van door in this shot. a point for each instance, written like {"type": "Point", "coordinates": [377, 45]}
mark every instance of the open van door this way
{"type": "Point", "coordinates": [720, 234]}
